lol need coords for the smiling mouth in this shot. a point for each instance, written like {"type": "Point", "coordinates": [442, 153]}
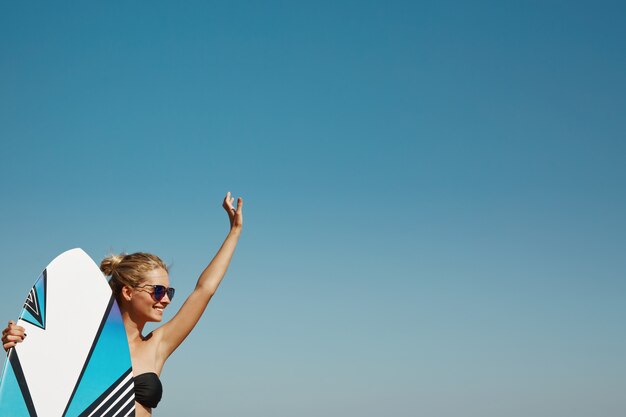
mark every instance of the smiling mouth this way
{"type": "Point", "coordinates": [159, 309]}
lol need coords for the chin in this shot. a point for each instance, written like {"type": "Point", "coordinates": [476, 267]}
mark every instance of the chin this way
{"type": "Point", "coordinates": [156, 317]}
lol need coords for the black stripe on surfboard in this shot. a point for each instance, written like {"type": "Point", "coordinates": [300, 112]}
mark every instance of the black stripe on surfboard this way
{"type": "Point", "coordinates": [126, 411]}
{"type": "Point", "coordinates": [102, 403]}
{"type": "Point", "coordinates": [123, 407]}
{"type": "Point", "coordinates": [21, 380]}
{"type": "Point", "coordinates": [114, 410]}
{"type": "Point", "coordinates": [93, 346]}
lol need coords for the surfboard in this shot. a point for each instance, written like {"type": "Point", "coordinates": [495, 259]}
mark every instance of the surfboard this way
{"type": "Point", "coordinates": [75, 360]}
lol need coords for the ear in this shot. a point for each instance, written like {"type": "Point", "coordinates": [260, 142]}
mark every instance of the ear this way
{"type": "Point", "coordinates": [127, 293]}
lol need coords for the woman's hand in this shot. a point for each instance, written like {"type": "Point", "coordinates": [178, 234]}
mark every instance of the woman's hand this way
{"type": "Point", "coordinates": [12, 335]}
{"type": "Point", "coordinates": [234, 215]}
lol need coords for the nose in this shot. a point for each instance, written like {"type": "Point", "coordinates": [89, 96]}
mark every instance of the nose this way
{"type": "Point", "coordinates": [166, 299]}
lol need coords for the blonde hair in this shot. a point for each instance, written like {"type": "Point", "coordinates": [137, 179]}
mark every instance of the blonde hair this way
{"type": "Point", "coordinates": [128, 269]}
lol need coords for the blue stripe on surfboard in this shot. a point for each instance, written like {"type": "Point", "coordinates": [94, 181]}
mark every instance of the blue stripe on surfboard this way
{"type": "Point", "coordinates": [34, 310]}
{"type": "Point", "coordinates": [108, 360]}
{"type": "Point", "coordinates": [12, 399]}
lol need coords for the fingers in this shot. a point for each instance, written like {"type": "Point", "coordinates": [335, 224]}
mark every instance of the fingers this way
{"type": "Point", "coordinates": [12, 328]}
{"type": "Point", "coordinates": [235, 215]}
{"type": "Point", "coordinates": [13, 338]}
{"type": "Point", "coordinates": [16, 332]}
{"type": "Point", "coordinates": [228, 202]}
{"type": "Point", "coordinates": [8, 346]}
{"type": "Point", "coordinates": [12, 335]}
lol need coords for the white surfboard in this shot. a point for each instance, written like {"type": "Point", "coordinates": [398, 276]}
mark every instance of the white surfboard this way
{"type": "Point", "coordinates": [75, 360]}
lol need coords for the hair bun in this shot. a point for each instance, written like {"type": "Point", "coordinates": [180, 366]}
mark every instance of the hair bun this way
{"type": "Point", "coordinates": [110, 263]}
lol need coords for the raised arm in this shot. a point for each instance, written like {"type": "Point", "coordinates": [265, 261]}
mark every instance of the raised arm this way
{"type": "Point", "coordinates": [177, 329]}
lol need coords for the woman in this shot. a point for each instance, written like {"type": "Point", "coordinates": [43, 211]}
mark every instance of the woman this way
{"type": "Point", "coordinates": [140, 283]}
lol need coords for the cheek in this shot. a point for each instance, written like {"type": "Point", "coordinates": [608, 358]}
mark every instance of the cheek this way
{"type": "Point", "coordinates": [142, 302]}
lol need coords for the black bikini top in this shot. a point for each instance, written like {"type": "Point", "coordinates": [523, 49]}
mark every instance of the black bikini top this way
{"type": "Point", "coordinates": [148, 389]}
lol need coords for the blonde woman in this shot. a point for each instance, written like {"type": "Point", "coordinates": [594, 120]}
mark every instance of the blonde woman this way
{"type": "Point", "coordinates": [141, 285]}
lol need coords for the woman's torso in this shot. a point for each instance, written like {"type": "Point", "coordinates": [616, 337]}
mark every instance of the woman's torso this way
{"type": "Point", "coordinates": [147, 366]}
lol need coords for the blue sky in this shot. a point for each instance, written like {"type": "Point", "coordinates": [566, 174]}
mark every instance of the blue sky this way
{"type": "Point", "coordinates": [434, 193]}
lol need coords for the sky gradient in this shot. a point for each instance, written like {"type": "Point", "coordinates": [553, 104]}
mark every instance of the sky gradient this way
{"type": "Point", "coordinates": [434, 193]}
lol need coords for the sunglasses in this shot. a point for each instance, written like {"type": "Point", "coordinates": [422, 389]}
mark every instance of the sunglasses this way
{"type": "Point", "coordinates": [159, 291]}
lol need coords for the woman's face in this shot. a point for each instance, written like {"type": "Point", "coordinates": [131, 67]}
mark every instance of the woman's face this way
{"type": "Point", "coordinates": [144, 303]}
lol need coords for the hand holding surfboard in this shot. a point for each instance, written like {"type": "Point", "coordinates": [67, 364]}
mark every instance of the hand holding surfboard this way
{"type": "Point", "coordinates": [12, 335]}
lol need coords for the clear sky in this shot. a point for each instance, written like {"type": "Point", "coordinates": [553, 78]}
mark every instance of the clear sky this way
{"type": "Point", "coordinates": [434, 193]}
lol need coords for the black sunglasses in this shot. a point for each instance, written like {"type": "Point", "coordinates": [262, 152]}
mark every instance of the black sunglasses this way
{"type": "Point", "coordinates": [159, 291]}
